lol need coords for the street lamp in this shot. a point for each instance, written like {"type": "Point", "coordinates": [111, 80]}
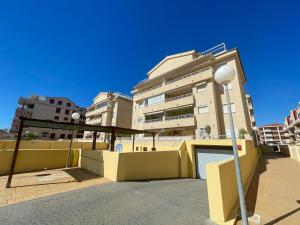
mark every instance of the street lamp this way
{"type": "Point", "coordinates": [224, 75]}
{"type": "Point", "coordinates": [75, 116]}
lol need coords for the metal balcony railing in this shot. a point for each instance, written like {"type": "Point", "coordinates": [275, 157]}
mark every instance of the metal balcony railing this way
{"type": "Point", "coordinates": [153, 120]}
{"type": "Point", "coordinates": [179, 117]}
{"type": "Point", "coordinates": [187, 75]}
{"type": "Point", "coordinates": [178, 97]}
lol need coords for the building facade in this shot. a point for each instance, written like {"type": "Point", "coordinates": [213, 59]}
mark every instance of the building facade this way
{"type": "Point", "coordinates": [251, 110]}
{"type": "Point", "coordinates": [292, 126]}
{"type": "Point", "coordinates": [181, 98]}
{"type": "Point", "coordinates": [272, 134]}
{"type": "Point", "coordinates": [58, 109]}
{"type": "Point", "coordinates": [109, 109]}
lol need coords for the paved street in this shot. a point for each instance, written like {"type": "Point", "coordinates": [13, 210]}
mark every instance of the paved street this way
{"type": "Point", "coordinates": [154, 202]}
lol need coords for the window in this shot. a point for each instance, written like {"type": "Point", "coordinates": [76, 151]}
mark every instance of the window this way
{"type": "Point", "coordinates": [59, 103]}
{"type": "Point", "coordinates": [66, 119]}
{"type": "Point", "coordinates": [202, 132]}
{"type": "Point", "coordinates": [67, 112]}
{"type": "Point", "coordinates": [72, 120]}
{"type": "Point", "coordinates": [56, 117]}
{"type": "Point", "coordinates": [69, 136]}
{"type": "Point", "coordinates": [52, 136]}
{"type": "Point", "coordinates": [62, 136]}
{"type": "Point", "coordinates": [57, 110]}
{"type": "Point", "coordinates": [52, 101]}
{"type": "Point", "coordinates": [155, 99]}
{"type": "Point", "coordinates": [203, 109]}
{"type": "Point", "coordinates": [68, 104]}
{"type": "Point", "coordinates": [225, 110]}
{"type": "Point", "coordinates": [202, 87]}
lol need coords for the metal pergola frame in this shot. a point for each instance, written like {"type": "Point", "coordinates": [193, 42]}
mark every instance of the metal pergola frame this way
{"type": "Point", "coordinates": [28, 122]}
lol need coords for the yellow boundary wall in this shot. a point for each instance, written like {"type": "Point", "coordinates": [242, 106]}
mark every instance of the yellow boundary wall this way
{"type": "Point", "coordinates": [38, 155]}
{"type": "Point", "coordinates": [222, 184]}
{"type": "Point", "coordinates": [293, 151]}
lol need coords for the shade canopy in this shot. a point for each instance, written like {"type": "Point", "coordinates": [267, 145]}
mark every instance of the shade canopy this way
{"type": "Point", "coordinates": [28, 122]}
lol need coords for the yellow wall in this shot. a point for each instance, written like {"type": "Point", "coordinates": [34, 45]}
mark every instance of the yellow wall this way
{"type": "Point", "coordinates": [37, 154]}
{"type": "Point", "coordinates": [291, 150]}
{"type": "Point", "coordinates": [34, 160]}
{"type": "Point", "coordinates": [222, 184]}
{"type": "Point", "coordinates": [41, 144]}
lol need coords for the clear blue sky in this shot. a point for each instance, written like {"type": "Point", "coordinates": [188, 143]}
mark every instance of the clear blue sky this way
{"type": "Point", "coordinates": [78, 48]}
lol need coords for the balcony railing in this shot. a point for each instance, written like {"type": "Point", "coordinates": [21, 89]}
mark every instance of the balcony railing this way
{"type": "Point", "coordinates": [153, 120]}
{"type": "Point", "coordinates": [187, 75]}
{"type": "Point", "coordinates": [178, 97]}
{"type": "Point", "coordinates": [179, 117]}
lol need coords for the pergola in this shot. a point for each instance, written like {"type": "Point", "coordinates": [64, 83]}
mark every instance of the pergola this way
{"type": "Point", "coordinates": [28, 122]}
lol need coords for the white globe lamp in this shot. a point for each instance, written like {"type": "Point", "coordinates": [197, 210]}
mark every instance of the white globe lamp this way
{"type": "Point", "coordinates": [75, 116]}
{"type": "Point", "coordinates": [225, 74]}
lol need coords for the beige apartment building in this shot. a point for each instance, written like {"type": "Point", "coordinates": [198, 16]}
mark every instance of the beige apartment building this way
{"type": "Point", "coordinates": [292, 126]}
{"type": "Point", "coordinates": [180, 97]}
{"type": "Point", "coordinates": [251, 110]}
{"type": "Point", "coordinates": [272, 134]}
{"type": "Point", "coordinates": [58, 109]}
{"type": "Point", "coordinates": [109, 109]}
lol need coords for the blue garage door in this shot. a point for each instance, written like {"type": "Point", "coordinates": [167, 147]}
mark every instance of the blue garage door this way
{"type": "Point", "coordinates": [204, 156]}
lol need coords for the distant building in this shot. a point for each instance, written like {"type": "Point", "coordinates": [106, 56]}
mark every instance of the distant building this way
{"type": "Point", "coordinates": [5, 135]}
{"type": "Point", "coordinates": [180, 97]}
{"type": "Point", "coordinates": [272, 134]}
{"type": "Point", "coordinates": [292, 125]}
{"type": "Point", "coordinates": [58, 109]}
{"type": "Point", "coordinates": [109, 109]}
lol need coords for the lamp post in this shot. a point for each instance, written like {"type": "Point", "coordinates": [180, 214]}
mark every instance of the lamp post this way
{"type": "Point", "coordinates": [75, 116]}
{"type": "Point", "coordinates": [224, 75]}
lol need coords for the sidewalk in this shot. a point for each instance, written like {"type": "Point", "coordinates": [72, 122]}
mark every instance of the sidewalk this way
{"type": "Point", "coordinates": [27, 186]}
{"type": "Point", "coordinates": [274, 193]}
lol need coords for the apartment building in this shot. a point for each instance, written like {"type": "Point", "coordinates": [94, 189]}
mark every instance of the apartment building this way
{"type": "Point", "coordinates": [109, 109]}
{"type": "Point", "coordinates": [251, 110]}
{"type": "Point", "coordinates": [272, 134]}
{"type": "Point", "coordinates": [58, 109]}
{"type": "Point", "coordinates": [292, 125]}
{"type": "Point", "coordinates": [180, 97]}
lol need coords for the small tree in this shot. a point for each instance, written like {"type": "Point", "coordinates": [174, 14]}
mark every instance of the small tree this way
{"type": "Point", "coordinates": [31, 136]}
{"type": "Point", "coordinates": [242, 133]}
{"type": "Point", "coordinates": [208, 130]}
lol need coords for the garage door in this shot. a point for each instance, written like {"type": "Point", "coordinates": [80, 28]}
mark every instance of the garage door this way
{"type": "Point", "coordinates": [204, 156]}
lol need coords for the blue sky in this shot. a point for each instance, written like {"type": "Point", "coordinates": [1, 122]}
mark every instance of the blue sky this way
{"type": "Point", "coordinates": [78, 48]}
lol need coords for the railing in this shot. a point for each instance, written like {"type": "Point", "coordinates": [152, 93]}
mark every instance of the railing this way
{"type": "Point", "coordinates": [187, 75]}
{"type": "Point", "coordinates": [178, 97]}
{"type": "Point", "coordinates": [179, 117]}
{"type": "Point", "coordinates": [153, 120]}
{"type": "Point", "coordinates": [215, 50]}
{"type": "Point", "coordinates": [150, 89]}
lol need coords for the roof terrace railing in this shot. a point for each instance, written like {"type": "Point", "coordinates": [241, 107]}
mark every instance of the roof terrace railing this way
{"type": "Point", "coordinates": [215, 50]}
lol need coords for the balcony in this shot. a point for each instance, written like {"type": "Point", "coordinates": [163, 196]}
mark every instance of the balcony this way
{"type": "Point", "coordinates": [182, 100]}
{"type": "Point", "coordinates": [186, 120]}
{"type": "Point", "coordinates": [179, 82]}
